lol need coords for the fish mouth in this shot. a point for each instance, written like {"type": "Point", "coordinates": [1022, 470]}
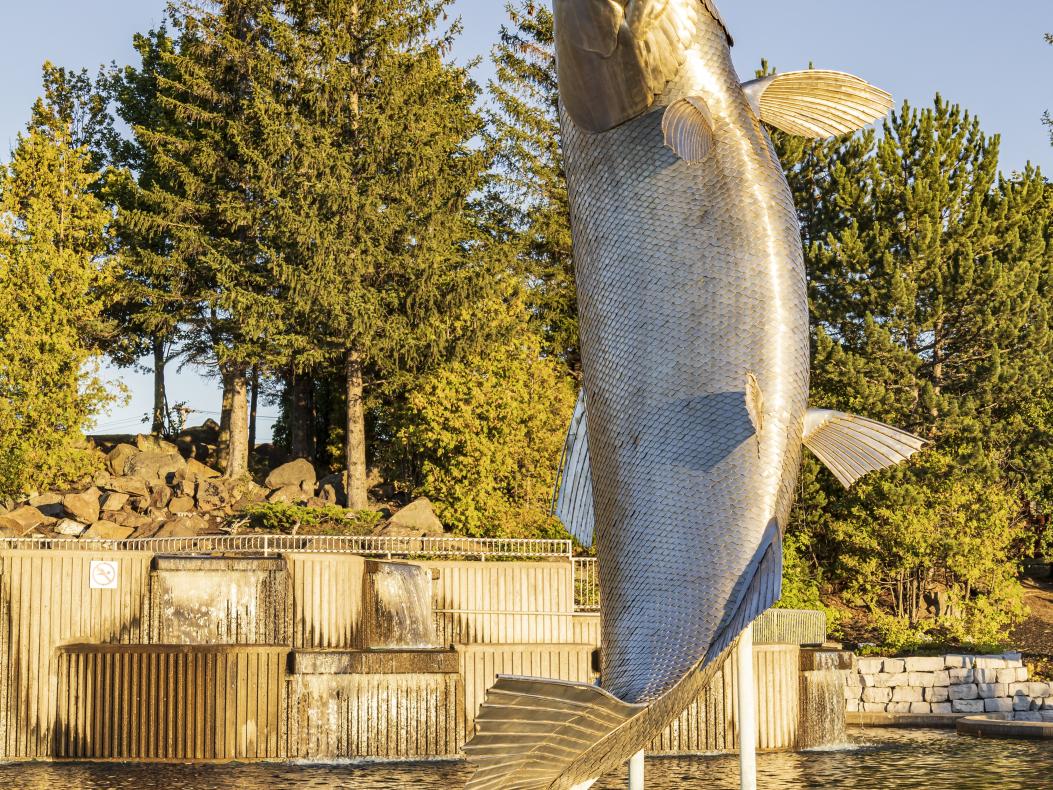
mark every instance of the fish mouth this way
{"type": "Point", "coordinates": [614, 58]}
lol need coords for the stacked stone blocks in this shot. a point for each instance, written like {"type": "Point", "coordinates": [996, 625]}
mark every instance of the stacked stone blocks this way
{"type": "Point", "coordinates": [948, 684]}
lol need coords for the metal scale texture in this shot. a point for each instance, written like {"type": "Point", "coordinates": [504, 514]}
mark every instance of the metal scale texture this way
{"type": "Point", "coordinates": [684, 453]}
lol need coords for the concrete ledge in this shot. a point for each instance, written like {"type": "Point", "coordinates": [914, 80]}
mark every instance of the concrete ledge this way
{"type": "Point", "coordinates": [85, 648]}
{"type": "Point", "coordinates": [172, 562]}
{"type": "Point", "coordinates": [995, 725]}
{"type": "Point", "coordinates": [921, 720]}
{"type": "Point", "coordinates": [379, 662]}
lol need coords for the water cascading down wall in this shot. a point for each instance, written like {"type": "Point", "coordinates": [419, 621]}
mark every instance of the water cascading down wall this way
{"type": "Point", "coordinates": [316, 656]}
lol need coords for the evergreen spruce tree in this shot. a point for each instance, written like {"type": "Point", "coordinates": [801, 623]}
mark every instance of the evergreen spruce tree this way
{"type": "Point", "coordinates": [929, 286]}
{"type": "Point", "coordinates": [1047, 118]}
{"type": "Point", "coordinates": [527, 196]}
{"type": "Point", "coordinates": [206, 209]}
{"type": "Point", "coordinates": [151, 303]}
{"type": "Point", "coordinates": [53, 242]}
{"type": "Point", "coordinates": [387, 266]}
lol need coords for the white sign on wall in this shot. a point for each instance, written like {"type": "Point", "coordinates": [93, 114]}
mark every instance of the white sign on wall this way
{"type": "Point", "coordinates": [102, 575]}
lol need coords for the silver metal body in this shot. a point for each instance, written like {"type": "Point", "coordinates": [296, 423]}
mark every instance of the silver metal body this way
{"type": "Point", "coordinates": [683, 454]}
{"type": "Point", "coordinates": [747, 711]}
{"type": "Point", "coordinates": [694, 335]}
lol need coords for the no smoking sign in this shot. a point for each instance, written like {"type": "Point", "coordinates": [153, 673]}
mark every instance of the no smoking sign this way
{"type": "Point", "coordinates": [102, 575]}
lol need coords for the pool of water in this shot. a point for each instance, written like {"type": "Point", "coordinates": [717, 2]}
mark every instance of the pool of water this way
{"type": "Point", "coordinates": [876, 759]}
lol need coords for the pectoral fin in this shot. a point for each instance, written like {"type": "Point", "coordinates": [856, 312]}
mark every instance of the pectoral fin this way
{"type": "Point", "coordinates": [851, 446]}
{"type": "Point", "coordinates": [573, 500]}
{"type": "Point", "coordinates": [817, 103]}
{"type": "Point", "coordinates": [687, 127]}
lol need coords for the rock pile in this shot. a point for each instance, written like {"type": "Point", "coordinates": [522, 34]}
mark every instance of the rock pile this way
{"type": "Point", "coordinates": [948, 684]}
{"type": "Point", "coordinates": [153, 489]}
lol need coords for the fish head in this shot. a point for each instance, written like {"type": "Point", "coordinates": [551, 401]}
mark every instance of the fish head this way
{"type": "Point", "coordinates": [615, 57]}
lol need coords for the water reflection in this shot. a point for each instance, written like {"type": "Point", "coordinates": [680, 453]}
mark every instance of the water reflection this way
{"type": "Point", "coordinates": [875, 759]}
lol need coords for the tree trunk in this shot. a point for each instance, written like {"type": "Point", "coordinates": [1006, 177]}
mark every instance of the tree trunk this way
{"type": "Point", "coordinates": [160, 413]}
{"type": "Point", "coordinates": [301, 427]}
{"type": "Point", "coordinates": [253, 406]}
{"type": "Point", "coordinates": [355, 436]}
{"type": "Point", "coordinates": [225, 412]}
{"type": "Point", "coordinates": [238, 453]}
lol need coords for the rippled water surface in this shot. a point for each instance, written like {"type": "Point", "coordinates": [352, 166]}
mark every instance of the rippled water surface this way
{"type": "Point", "coordinates": [882, 759]}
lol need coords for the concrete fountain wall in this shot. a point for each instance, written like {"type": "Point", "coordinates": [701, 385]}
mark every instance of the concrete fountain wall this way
{"type": "Point", "coordinates": [313, 656]}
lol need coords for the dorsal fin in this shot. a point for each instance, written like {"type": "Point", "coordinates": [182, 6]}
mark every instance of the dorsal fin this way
{"type": "Point", "coordinates": [573, 499]}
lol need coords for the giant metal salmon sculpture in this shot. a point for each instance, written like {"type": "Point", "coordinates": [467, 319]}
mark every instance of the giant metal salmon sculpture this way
{"type": "Point", "coordinates": [685, 448]}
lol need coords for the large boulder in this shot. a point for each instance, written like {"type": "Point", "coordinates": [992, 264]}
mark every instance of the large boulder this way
{"type": "Point", "coordinates": [206, 433]}
{"type": "Point", "coordinates": [114, 501]}
{"type": "Point", "coordinates": [416, 520]}
{"type": "Point", "coordinates": [132, 486]}
{"type": "Point", "coordinates": [212, 494]}
{"type": "Point", "coordinates": [117, 458]}
{"type": "Point", "coordinates": [155, 466]}
{"type": "Point", "coordinates": [28, 517]}
{"type": "Point", "coordinates": [83, 506]}
{"type": "Point", "coordinates": [154, 444]}
{"type": "Point", "coordinates": [70, 528]}
{"type": "Point", "coordinates": [181, 504]}
{"type": "Point", "coordinates": [183, 527]}
{"type": "Point", "coordinates": [196, 469]}
{"type": "Point", "coordinates": [160, 495]}
{"type": "Point", "coordinates": [108, 530]}
{"type": "Point", "coordinates": [295, 473]}
{"type": "Point", "coordinates": [49, 504]}
{"type": "Point", "coordinates": [287, 494]}
{"type": "Point", "coordinates": [331, 489]}
{"type": "Point", "coordinates": [245, 492]}
{"type": "Point", "coordinates": [149, 530]}
{"type": "Point", "coordinates": [128, 519]}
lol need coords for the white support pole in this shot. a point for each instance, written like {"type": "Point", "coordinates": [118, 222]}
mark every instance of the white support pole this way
{"type": "Point", "coordinates": [747, 712]}
{"type": "Point", "coordinates": [636, 771]}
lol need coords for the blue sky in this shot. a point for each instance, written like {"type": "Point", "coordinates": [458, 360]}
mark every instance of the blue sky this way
{"type": "Point", "coordinates": [989, 57]}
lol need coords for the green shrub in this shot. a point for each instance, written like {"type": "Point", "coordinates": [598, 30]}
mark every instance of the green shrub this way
{"type": "Point", "coordinates": [286, 518]}
{"type": "Point", "coordinates": [489, 434]}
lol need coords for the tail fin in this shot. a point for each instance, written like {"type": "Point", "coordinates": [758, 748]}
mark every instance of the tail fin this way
{"type": "Point", "coordinates": [530, 730]}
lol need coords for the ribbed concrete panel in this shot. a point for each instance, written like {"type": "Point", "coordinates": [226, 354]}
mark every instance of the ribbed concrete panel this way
{"type": "Point", "coordinates": [586, 629]}
{"type": "Point", "coordinates": [391, 717]}
{"type": "Point", "coordinates": [790, 627]}
{"type": "Point", "coordinates": [167, 702]}
{"type": "Point", "coordinates": [710, 722]}
{"type": "Point", "coordinates": [326, 600]}
{"type": "Point", "coordinates": [45, 601]}
{"type": "Point", "coordinates": [504, 602]}
{"type": "Point", "coordinates": [481, 664]}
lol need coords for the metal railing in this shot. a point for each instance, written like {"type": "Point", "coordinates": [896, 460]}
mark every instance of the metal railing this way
{"type": "Point", "coordinates": [790, 627]}
{"type": "Point", "coordinates": [774, 627]}
{"type": "Point", "coordinates": [586, 585]}
{"type": "Point", "coordinates": [373, 546]}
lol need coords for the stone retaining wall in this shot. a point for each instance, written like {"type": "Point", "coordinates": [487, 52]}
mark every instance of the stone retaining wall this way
{"type": "Point", "coordinates": [948, 684]}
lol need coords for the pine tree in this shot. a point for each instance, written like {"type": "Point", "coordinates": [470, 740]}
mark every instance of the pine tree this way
{"type": "Point", "coordinates": [1047, 118]}
{"type": "Point", "coordinates": [384, 267]}
{"type": "Point", "coordinates": [150, 303]}
{"type": "Point", "coordinates": [53, 242]}
{"type": "Point", "coordinates": [527, 196]}
{"type": "Point", "coordinates": [206, 209]}
{"type": "Point", "coordinates": [930, 296]}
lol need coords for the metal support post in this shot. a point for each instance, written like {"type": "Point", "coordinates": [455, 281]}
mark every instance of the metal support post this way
{"type": "Point", "coordinates": [636, 771]}
{"type": "Point", "coordinates": [747, 712]}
